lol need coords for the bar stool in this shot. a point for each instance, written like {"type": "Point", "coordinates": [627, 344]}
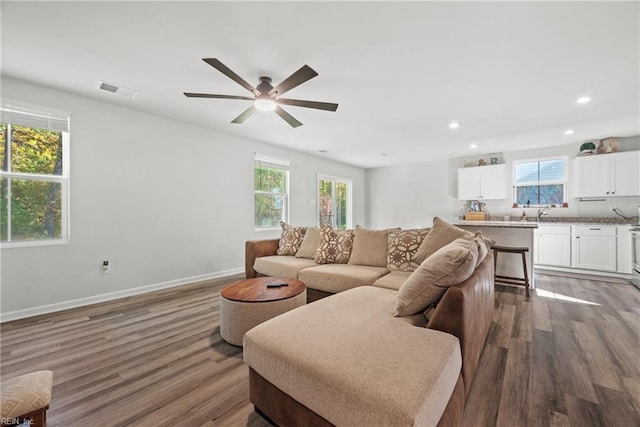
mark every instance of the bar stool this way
{"type": "Point", "coordinates": [508, 279]}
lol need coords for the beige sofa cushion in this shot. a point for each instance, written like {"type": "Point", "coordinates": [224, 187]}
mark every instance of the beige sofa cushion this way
{"type": "Point", "coordinates": [291, 239]}
{"type": "Point", "coordinates": [451, 264]}
{"type": "Point", "coordinates": [442, 233]}
{"type": "Point", "coordinates": [340, 277]}
{"type": "Point", "coordinates": [309, 245]}
{"type": "Point", "coordinates": [369, 247]}
{"type": "Point", "coordinates": [335, 245]}
{"type": "Point", "coordinates": [281, 265]}
{"type": "Point", "coordinates": [393, 280]}
{"type": "Point", "coordinates": [402, 248]}
{"type": "Point", "coordinates": [354, 364]}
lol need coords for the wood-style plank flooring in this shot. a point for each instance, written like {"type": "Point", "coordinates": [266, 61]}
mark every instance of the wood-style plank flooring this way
{"type": "Point", "coordinates": [568, 355]}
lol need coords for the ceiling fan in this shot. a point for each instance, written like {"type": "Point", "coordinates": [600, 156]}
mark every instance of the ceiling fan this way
{"type": "Point", "coordinates": [265, 96]}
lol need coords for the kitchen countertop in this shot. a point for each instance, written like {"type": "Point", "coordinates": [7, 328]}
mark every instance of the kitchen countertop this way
{"type": "Point", "coordinates": [498, 224]}
{"type": "Point", "coordinates": [600, 220]}
{"type": "Point", "coordinates": [553, 220]}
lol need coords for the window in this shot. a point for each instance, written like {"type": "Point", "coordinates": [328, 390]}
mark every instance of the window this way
{"type": "Point", "coordinates": [334, 201]}
{"type": "Point", "coordinates": [34, 183]}
{"type": "Point", "coordinates": [271, 185]}
{"type": "Point", "coordinates": [541, 182]}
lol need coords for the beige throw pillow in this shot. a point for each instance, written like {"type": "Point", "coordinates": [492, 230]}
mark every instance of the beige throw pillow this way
{"type": "Point", "coordinates": [403, 245]}
{"type": "Point", "coordinates": [451, 264]}
{"type": "Point", "coordinates": [309, 245]}
{"type": "Point", "coordinates": [291, 239]}
{"type": "Point", "coordinates": [442, 233]}
{"type": "Point", "coordinates": [369, 247]}
{"type": "Point", "coordinates": [335, 245]}
{"type": "Point", "coordinates": [484, 246]}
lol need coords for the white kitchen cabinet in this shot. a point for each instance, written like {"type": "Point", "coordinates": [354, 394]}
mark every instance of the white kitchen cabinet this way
{"type": "Point", "coordinates": [594, 248]}
{"type": "Point", "coordinates": [552, 245]}
{"type": "Point", "coordinates": [482, 182]}
{"type": "Point", "coordinates": [608, 175]}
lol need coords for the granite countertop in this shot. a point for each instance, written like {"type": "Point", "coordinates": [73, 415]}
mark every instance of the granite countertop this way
{"type": "Point", "coordinates": [553, 220]}
{"type": "Point", "coordinates": [600, 220]}
{"type": "Point", "coordinates": [498, 224]}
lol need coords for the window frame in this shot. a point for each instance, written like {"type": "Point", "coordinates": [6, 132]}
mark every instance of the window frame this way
{"type": "Point", "coordinates": [335, 180]}
{"type": "Point", "coordinates": [276, 163]}
{"type": "Point", "coordinates": [564, 182]}
{"type": "Point", "coordinates": [10, 109]}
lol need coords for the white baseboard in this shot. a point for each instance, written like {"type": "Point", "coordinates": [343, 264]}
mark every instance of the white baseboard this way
{"type": "Point", "coordinates": [80, 302]}
{"type": "Point", "coordinates": [577, 271]}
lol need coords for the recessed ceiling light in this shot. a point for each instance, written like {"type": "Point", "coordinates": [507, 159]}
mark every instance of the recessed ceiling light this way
{"type": "Point", "coordinates": [454, 125]}
{"type": "Point", "coordinates": [474, 145]}
{"type": "Point", "coordinates": [583, 99]}
{"type": "Point", "coordinates": [569, 132]}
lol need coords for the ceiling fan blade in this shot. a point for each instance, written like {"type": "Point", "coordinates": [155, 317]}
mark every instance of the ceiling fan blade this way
{"type": "Point", "coordinates": [215, 63]}
{"type": "Point", "coordinates": [309, 104]}
{"type": "Point", "coordinates": [245, 115]}
{"type": "Point", "coordinates": [287, 117]}
{"type": "Point", "coordinates": [302, 75]}
{"type": "Point", "coordinates": [208, 95]}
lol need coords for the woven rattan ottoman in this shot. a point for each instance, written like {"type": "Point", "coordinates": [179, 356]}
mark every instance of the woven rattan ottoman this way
{"type": "Point", "coordinates": [248, 303]}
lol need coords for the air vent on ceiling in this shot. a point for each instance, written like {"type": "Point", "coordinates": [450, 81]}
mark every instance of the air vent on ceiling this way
{"type": "Point", "coordinates": [115, 89]}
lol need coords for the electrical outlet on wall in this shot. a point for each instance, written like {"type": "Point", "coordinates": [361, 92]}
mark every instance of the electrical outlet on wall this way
{"type": "Point", "coordinates": [105, 267]}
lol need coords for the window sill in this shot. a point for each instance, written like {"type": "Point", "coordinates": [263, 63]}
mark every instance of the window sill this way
{"type": "Point", "coordinates": [33, 243]}
{"type": "Point", "coordinates": [268, 229]}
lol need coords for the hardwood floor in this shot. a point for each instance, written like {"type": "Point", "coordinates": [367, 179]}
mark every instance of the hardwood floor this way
{"type": "Point", "coordinates": [568, 355]}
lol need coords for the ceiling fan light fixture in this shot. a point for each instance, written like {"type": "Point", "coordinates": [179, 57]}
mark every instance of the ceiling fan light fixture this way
{"type": "Point", "coordinates": [265, 104]}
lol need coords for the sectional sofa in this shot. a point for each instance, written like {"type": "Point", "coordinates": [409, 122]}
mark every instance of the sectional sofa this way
{"type": "Point", "coordinates": [396, 345]}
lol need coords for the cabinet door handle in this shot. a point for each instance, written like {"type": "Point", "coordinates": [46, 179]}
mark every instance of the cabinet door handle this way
{"type": "Point", "coordinates": [577, 237]}
{"type": "Point", "coordinates": [607, 192]}
{"type": "Point", "coordinates": [613, 192]}
{"type": "Point", "coordinates": [595, 229]}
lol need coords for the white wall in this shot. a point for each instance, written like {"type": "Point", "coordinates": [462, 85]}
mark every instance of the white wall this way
{"type": "Point", "coordinates": [162, 200]}
{"type": "Point", "coordinates": [411, 195]}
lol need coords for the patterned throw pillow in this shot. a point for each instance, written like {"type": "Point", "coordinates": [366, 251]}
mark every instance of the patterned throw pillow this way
{"type": "Point", "coordinates": [403, 245]}
{"type": "Point", "coordinates": [335, 245]}
{"type": "Point", "coordinates": [291, 239]}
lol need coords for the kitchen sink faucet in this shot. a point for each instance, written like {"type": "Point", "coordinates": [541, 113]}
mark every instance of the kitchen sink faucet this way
{"type": "Point", "coordinates": [541, 212]}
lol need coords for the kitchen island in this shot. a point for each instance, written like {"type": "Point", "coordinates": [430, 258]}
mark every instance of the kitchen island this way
{"type": "Point", "coordinates": [507, 233]}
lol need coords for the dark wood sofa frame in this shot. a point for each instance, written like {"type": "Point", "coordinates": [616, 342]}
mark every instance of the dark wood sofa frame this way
{"type": "Point", "coordinates": [465, 311]}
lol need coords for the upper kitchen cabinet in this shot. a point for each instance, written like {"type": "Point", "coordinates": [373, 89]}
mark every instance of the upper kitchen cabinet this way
{"type": "Point", "coordinates": [482, 182]}
{"type": "Point", "coordinates": [608, 175]}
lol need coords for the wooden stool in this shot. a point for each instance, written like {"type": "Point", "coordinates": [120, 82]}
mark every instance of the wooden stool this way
{"type": "Point", "coordinates": [508, 279]}
{"type": "Point", "coordinates": [26, 399]}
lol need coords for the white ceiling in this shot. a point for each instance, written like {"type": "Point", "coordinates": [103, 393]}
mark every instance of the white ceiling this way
{"type": "Point", "coordinates": [510, 72]}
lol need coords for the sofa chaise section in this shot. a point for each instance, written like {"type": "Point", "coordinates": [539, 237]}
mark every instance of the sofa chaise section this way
{"type": "Point", "coordinates": [363, 367]}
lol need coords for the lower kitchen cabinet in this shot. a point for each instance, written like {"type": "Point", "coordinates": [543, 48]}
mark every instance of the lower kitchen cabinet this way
{"type": "Point", "coordinates": [583, 247]}
{"type": "Point", "coordinates": [552, 245]}
{"type": "Point", "coordinates": [594, 248]}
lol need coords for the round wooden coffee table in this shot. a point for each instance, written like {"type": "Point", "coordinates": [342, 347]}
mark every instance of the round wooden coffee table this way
{"type": "Point", "coordinates": [246, 304]}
